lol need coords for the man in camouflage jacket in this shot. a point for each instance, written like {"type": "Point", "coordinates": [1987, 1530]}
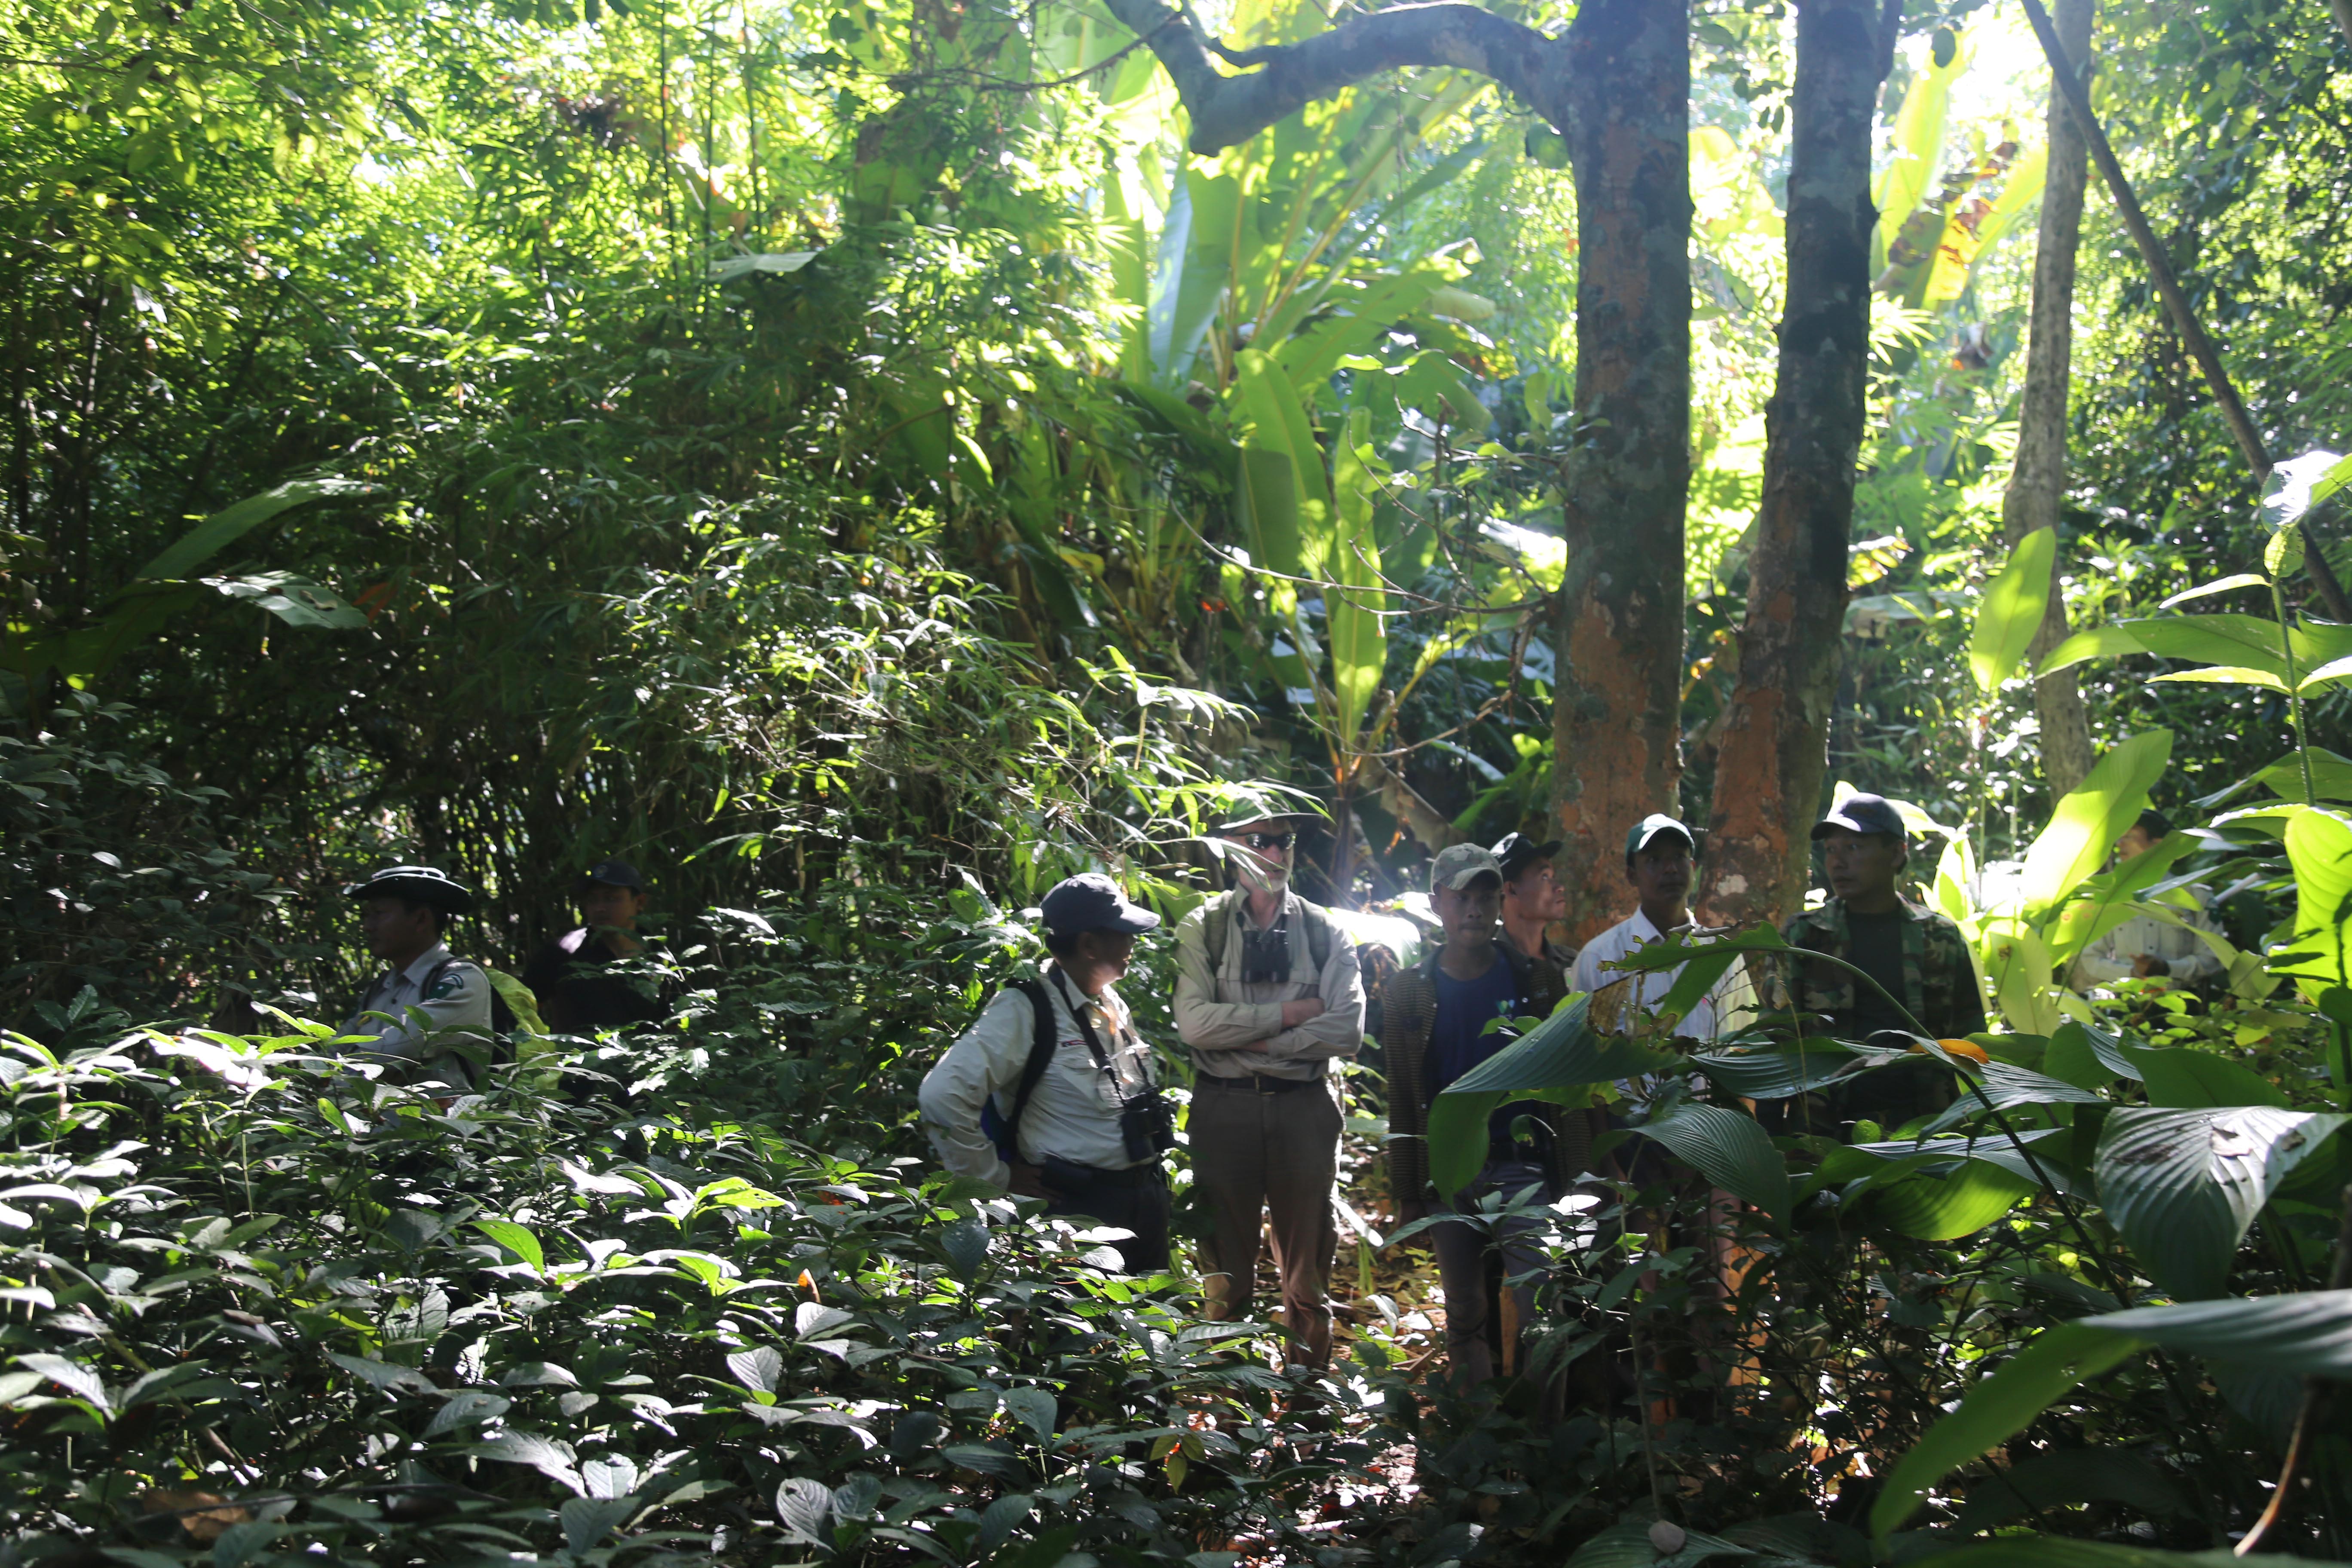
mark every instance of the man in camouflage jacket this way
{"type": "Point", "coordinates": [1918, 956]}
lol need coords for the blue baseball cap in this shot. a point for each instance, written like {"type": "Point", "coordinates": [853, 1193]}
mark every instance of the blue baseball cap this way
{"type": "Point", "coordinates": [1092, 901]}
{"type": "Point", "coordinates": [1862, 814]}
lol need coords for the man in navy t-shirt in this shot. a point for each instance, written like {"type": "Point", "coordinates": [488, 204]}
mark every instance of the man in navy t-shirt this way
{"type": "Point", "coordinates": [1433, 1030]}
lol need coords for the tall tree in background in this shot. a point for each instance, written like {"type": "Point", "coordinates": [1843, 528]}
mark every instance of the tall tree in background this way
{"type": "Point", "coordinates": [1616, 85]}
{"type": "Point", "coordinates": [1775, 741]}
{"type": "Point", "coordinates": [2037, 485]}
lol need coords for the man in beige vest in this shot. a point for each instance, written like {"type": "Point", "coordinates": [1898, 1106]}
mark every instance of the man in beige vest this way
{"type": "Point", "coordinates": [1267, 996]}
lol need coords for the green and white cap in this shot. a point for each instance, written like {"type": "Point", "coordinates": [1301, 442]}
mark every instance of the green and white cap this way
{"type": "Point", "coordinates": [1651, 827]}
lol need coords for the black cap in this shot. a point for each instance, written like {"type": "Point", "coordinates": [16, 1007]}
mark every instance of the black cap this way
{"type": "Point", "coordinates": [2155, 824]}
{"type": "Point", "coordinates": [422, 883]}
{"type": "Point", "coordinates": [612, 874]}
{"type": "Point", "coordinates": [1862, 814]}
{"type": "Point", "coordinates": [1092, 901]}
{"type": "Point", "coordinates": [1516, 852]}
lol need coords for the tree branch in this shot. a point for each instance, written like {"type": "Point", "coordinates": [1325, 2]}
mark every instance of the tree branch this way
{"type": "Point", "coordinates": [1229, 110]}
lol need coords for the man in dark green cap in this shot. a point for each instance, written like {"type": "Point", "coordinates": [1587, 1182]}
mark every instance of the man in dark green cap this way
{"type": "Point", "coordinates": [1919, 958]}
{"type": "Point", "coordinates": [428, 1003]}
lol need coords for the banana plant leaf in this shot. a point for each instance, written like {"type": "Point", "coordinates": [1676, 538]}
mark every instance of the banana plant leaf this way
{"type": "Point", "coordinates": [2082, 830]}
{"type": "Point", "coordinates": [2013, 609]}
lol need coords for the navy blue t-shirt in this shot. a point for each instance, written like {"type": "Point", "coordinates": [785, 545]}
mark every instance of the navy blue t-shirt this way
{"type": "Point", "coordinates": [1457, 1040]}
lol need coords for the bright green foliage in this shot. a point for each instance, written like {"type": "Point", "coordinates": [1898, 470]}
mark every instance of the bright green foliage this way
{"type": "Point", "coordinates": [2012, 610]}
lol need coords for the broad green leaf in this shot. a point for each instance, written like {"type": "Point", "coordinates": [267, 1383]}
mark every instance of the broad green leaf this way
{"type": "Point", "coordinates": [1353, 608]}
{"type": "Point", "coordinates": [2017, 963]}
{"type": "Point", "coordinates": [1728, 1149]}
{"type": "Point", "coordinates": [1432, 384]}
{"type": "Point", "coordinates": [2250, 642]}
{"type": "Point", "coordinates": [1193, 267]}
{"type": "Point", "coordinates": [1269, 508]}
{"type": "Point", "coordinates": [1996, 1410]}
{"type": "Point", "coordinates": [2298, 485]}
{"type": "Point", "coordinates": [2308, 1332]}
{"type": "Point", "coordinates": [2061, 1478]}
{"type": "Point", "coordinates": [292, 598]}
{"type": "Point", "coordinates": [225, 527]}
{"type": "Point", "coordinates": [2182, 1186]}
{"type": "Point", "coordinates": [2183, 1079]}
{"type": "Point", "coordinates": [2221, 585]}
{"type": "Point", "coordinates": [1943, 1205]}
{"type": "Point", "coordinates": [2318, 955]}
{"type": "Point", "coordinates": [1775, 1074]}
{"type": "Point", "coordinates": [515, 1239]}
{"type": "Point", "coordinates": [2011, 612]}
{"type": "Point", "coordinates": [1561, 1053]}
{"type": "Point", "coordinates": [2332, 671]}
{"type": "Point", "coordinates": [2225, 675]}
{"type": "Point", "coordinates": [2088, 821]}
{"type": "Point", "coordinates": [2104, 901]}
{"type": "Point", "coordinates": [1629, 1545]}
{"type": "Point", "coordinates": [1279, 423]}
{"type": "Point", "coordinates": [1918, 136]}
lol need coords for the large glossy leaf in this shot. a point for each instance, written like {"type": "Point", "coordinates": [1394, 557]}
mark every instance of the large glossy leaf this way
{"type": "Point", "coordinates": [1630, 1545]}
{"type": "Point", "coordinates": [1945, 1205]}
{"type": "Point", "coordinates": [2184, 1185]}
{"type": "Point", "coordinates": [2104, 901]}
{"type": "Point", "coordinates": [2183, 1079]}
{"type": "Point", "coordinates": [1728, 1149]}
{"type": "Point", "coordinates": [2018, 965]}
{"type": "Point", "coordinates": [1353, 609]}
{"type": "Point", "coordinates": [1563, 1054]}
{"type": "Point", "coordinates": [225, 527]}
{"type": "Point", "coordinates": [1903, 183]}
{"type": "Point", "coordinates": [1195, 264]}
{"type": "Point", "coordinates": [1775, 1074]}
{"type": "Point", "coordinates": [2013, 608]}
{"type": "Point", "coordinates": [2065, 1477]}
{"type": "Point", "coordinates": [1279, 423]}
{"type": "Point", "coordinates": [1996, 1410]}
{"type": "Point", "coordinates": [2319, 846]}
{"type": "Point", "coordinates": [2088, 821]}
{"type": "Point", "coordinates": [2307, 1333]}
{"type": "Point", "coordinates": [2250, 642]}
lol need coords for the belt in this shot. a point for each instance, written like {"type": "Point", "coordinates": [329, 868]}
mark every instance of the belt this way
{"type": "Point", "coordinates": [1070, 1172]}
{"type": "Point", "coordinates": [1261, 1083]}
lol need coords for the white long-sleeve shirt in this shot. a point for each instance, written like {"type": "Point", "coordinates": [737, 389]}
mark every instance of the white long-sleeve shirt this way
{"type": "Point", "coordinates": [1073, 1112]}
{"type": "Point", "coordinates": [1727, 1007]}
{"type": "Point", "coordinates": [427, 1016]}
{"type": "Point", "coordinates": [1219, 1015]}
{"type": "Point", "coordinates": [2185, 955]}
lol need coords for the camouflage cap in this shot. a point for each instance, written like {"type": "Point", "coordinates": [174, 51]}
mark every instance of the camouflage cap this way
{"type": "Point", "coordinates": [1459, 865]}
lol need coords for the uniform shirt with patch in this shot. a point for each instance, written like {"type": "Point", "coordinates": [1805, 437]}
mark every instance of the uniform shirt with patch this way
{"type": "Point", "coordinates": [1938, 975]}
{"type": "Point", "coordinates": [1073, 1113]}
{"type": "Point", "coordinates": [431, 1007]}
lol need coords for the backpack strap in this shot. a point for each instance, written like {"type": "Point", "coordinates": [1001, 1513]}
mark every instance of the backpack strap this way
{"type": "Point", "coordinates": [1041, 1053]}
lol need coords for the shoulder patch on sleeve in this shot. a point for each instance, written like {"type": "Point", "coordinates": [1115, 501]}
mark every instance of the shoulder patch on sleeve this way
{"type": "Point", "coordinates": [452, 981]}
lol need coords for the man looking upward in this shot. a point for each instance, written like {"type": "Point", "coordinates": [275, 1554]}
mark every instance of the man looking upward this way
{"type": "Point", "coordinates": [1267, 995]}
{"type": "Point", "coordinates": [1532, 899]}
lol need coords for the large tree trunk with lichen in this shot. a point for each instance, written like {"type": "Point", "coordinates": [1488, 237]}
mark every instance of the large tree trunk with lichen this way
{"type": "Point", "coordinates": [2037, 485]}
{"type": "Point", "coordinates": [1776, 737]}
{"type": "Point", "coordinates": [1617, 705]}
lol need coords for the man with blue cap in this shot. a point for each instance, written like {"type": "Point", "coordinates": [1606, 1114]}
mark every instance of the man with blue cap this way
{"type": "Point", "coordinates": [429, 1007]}
{"type": "Point", "coordinates": [1051, 1093]}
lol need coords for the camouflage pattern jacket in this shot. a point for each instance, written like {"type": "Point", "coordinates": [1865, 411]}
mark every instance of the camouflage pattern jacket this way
{"type": "Point", "coordinates": [1940, 975]}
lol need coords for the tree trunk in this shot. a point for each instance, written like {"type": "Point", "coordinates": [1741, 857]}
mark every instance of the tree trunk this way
{"type": "Point", "coordinates": [2037, 487]}
{"type": "Point", "coordinates": [1617, 707]}
{"type": "Point", "coordinates": [1775, 743]}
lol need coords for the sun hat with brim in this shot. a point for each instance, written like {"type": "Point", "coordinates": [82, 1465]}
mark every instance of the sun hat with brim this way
{"type": "Point", "coordinates": [1092, 901]}
{"type": "Point", "coordinates": [422, 883]}
{"type": "Point", "coordinates": [1516, 852]}
{"type": "Point", "coordinates": [1257, 806]}
{"type": "Point", "coordinates": [1862, 814]}
{"type": "Point", "coordinates": [1651, 827]}
{"type": "Point", "coordinates": [1459, 865]}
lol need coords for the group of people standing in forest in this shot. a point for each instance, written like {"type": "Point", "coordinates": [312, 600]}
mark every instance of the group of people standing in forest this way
{"type": "Point", "coordinates": [1051, 1094]}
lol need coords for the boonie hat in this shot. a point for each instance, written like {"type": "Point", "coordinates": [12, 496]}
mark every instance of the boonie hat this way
{"type": "Point", "coordinates": [1516, 852]}
{"type": "Point", "coordinates": [1092, 901]}
{"type": "Point", "coordinates": [1265, 802]}
{"type": "Point", "coordinates": [1639, 837]}
{"type": "Point", "coordinates": [1862, 814]}
{"type": "Point", "coordinates": [1459, 865]}
{"type": "Point", "coordinates": [612, 874]}
{"type": "Point", "coordinates": [424, 883]}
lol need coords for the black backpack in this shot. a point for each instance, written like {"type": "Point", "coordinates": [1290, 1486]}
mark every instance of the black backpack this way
{"type": "Point", "coordinates": [1005, 1131]}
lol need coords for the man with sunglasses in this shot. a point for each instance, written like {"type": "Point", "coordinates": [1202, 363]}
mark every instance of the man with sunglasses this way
{"type": "Point", "coordinates": [1268, 996]}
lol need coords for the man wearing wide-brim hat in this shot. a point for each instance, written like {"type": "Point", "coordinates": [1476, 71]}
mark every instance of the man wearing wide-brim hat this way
{"type": "Point", "coordinates": [1268, 996]}
{"type": "Point", "coordinates": [428, 1006]}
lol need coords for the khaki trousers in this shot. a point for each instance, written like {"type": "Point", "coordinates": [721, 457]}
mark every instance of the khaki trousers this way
{"type": "Point", "coordinates": [1277, 1153]}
